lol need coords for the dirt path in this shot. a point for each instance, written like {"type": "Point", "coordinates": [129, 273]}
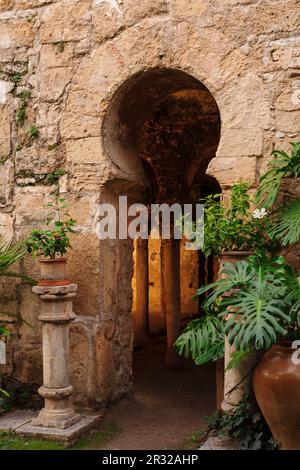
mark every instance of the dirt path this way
{"type": "Point", "coordinates": [167, 407]}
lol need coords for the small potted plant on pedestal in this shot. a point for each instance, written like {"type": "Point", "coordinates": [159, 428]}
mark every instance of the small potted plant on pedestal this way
{"type": "Point", "coordinates": [235, 229]}
{"type": "Point", "coordinates": [53, 243]}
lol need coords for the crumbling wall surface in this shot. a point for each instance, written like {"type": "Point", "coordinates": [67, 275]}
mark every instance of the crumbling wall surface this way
{"type": "Point", "coordinates": [61, 63]}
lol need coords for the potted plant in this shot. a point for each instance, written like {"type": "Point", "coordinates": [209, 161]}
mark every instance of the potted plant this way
{"type": "Point", "coordinates": [255, 305]}
{"type": "Point", "coordinates": [276, 378]}
{"type": "Point", "coordinates": [53, 243]}
{"type": "Point", "coordinates": [236, 229]}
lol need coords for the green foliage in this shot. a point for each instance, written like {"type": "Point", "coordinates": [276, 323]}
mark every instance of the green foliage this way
{"type": "Point", "coordinates": [233, 227]}
{"type": "Point", "coordinates": [247, 425]}
{"type": "Point", "coordinates": [51, 243]}
{"type": "Point", "coordinates": [10, 253]}
{"type": "Point", "coordinates": [52, 146]}
{"type": "Point", "coordinates": [202, 340]}
{"type": "Point", "coordinates": [24, 96]}
{"type": "Point", "coordinates": [33, 132]}
{"type": "Point", "coordinates": [281, 166]}
{"type": "Point", "coordinates": [54, 176]}
{"type": "Point", "coordinates": [257, 302]}
{"type": "Point", "coordinates": [9, 441]}
{"type": "Point", "coordinates": [3, 159]}
{"type": "Point", "coordinates": [286, 223]}
{"type": "Point", "coordinates": [16, 78]}
{"type": "Point", "coordinates": [60, 46]}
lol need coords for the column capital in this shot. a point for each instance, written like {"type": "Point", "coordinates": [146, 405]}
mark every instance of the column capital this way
{"type": "Point", "coordinates": [50, 292]}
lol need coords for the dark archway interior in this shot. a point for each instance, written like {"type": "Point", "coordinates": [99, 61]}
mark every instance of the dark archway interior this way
{"type": "Point", "coordinates": [161, 130]}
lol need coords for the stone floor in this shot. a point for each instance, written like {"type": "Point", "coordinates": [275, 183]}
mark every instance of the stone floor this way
{"type": "Point", "coordinates": [167, 407]}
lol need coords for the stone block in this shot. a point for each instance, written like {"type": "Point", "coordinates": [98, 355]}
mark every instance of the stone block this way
{"type": "Point", "coordinates": [81, 117]}
{"type": "Point", "coordinates": [240, 143]}
{"type": "Point", "coordinates": [229, 171]}
{"type": "Point", "coordinates": [81, 360]}
{"type": "Point", "coordinates": [53, 82]}
{"type": "Point", "coordinates": [5, 89]}
{"type": "Point", "coordinates": [251, 104]}
{"type": "Point", "coordinates": [6, 225]}
{"type": "Point", "coordinates": [65, 21]}
{"type": "Point", "coordinates": [56, 55]}
{"type": "Point", "coordinates": [135, 11]}
{"type": "Point", "coordinates": [288, 121]}
{"type": "Point", "coordinates": [30, 205]}
{"type": "Point", "coordinates": [69, 436]}
{"type": "Point", "coordinates": [5, 118]}
{"type": "Point", "coordinates": [15, 34]}
{"type": "Point", "coordinates": [6, 5]}
{"type": "Point", "coordinates": [6, 182]}
{"type": "Point", "coordinates": [282, 54]}
{"type": "Point", "coordinates": [86, 150]}
{"type": "Point", "coordinates": [105, 362]}
{"type": "Point", "coordinates": [37, 160]}
{"type": "Point", "coordinates": [107, 19]}
{"type": "Point", "coordinates": [184, 8]}
{"type": "Point", "coordinates": [83, 268]}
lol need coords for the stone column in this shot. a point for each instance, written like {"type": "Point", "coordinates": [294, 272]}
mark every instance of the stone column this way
{"type": "Point", "coordinates": [56, 313]}
{"type": "Point", "coordinates": [170, 293]}
{"type": "Point", "coordinates": [142, 291]}
{"type": "Point", "coordinates": [237, 380]}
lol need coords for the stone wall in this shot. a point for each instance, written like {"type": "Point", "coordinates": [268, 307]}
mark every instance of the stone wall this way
{"type": "Point", "coordinates": [61, 63]}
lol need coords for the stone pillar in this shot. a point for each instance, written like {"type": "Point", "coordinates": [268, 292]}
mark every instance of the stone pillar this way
{"type": "Point", "coordinates": [170, 293]}
{"type": "Point", "coordinates": [237, 380]}
{"type": "Point", "coordinates": [56, 313]}
{"type": "Point", "coordinates": [142, 291]}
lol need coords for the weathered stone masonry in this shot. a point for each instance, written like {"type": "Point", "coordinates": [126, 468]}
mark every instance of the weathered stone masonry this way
{"type": "Point", "coordinates": [61, 64]}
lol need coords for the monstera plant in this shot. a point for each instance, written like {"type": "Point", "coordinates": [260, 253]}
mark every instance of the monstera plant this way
{"type": "Point", "coordinates": [255, 304]}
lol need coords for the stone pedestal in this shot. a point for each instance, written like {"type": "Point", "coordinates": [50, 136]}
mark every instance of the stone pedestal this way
{"type": "Point", "coordinates": [141, 318]}
{"type": "Point", "coordinates": [170, 294]}
{"type": "Point", "coordinates": [56, 313]}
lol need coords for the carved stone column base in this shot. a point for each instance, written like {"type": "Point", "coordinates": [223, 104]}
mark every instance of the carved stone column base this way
{"type": "Point", "coordinates": [58, 411]}
{"type": "Point", "coordinates": [68, 435]}
{"type": "Point", "coordinates": [56, 419]}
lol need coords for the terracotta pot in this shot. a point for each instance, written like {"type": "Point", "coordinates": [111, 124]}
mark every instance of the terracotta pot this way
{"type": "Point", "coordinates": [53, 272]}
{"type": "Point", "coordinates": [233, 256]}
{"type": "Point", "coordinates": [277, 389]}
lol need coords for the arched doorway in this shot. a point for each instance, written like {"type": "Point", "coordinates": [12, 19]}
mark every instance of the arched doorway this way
{"type": "Point", "coordinates": [161, 131]}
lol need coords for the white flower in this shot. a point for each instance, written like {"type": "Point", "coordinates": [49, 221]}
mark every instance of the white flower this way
{"type": "Point", "coordinates": [259, 213]}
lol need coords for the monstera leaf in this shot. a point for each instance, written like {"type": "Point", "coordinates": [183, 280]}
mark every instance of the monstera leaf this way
{"type": "Point", "coordinates": [202, 340]}
{"type": "Point", "coordinates": [286, 224]}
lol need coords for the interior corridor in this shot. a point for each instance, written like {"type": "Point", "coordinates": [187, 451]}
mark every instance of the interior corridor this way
{"type": "Point", "coordinates": [168, 405]}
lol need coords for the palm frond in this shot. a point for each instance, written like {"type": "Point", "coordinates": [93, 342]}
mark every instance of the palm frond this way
{"type": "Point", "coordinates": [17, 275]}
{"type": "Point", "coordinates": [11, 252]}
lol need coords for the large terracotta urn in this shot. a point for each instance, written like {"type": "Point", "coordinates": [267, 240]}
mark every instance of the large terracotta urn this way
{"type": "Point", "coordinates": [277, 389]}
